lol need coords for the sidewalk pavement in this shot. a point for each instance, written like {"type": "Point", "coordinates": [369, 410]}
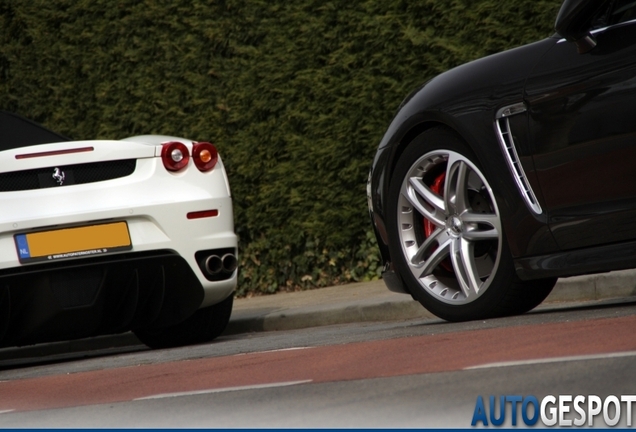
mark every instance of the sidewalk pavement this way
{"type": "Point", "coordinates": [356, 302]}
{"type": "Point", "coordinates": [372, 301]}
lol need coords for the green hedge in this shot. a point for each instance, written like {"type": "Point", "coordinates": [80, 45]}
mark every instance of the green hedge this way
{"type": "Point", "coordinates": [296, 94]}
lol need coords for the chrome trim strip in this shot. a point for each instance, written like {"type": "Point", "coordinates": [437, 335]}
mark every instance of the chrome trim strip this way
{"type": "Point", "coordinates": [602, 29]}
{"type": "Point", "coordinates": [511, 110]}
{"type": "Point", "coordinates": [504, 135]}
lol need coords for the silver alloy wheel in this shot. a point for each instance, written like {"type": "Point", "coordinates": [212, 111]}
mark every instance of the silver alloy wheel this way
{"type": "Point", "coordinates": [457, 261]}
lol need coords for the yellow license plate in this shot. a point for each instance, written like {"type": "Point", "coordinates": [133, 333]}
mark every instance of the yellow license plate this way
{"type": "Point", "coordinates": [77, 242]}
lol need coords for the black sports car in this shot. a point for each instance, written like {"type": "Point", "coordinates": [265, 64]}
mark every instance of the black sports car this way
{"type": "Point", "coordinates": [500, 175]}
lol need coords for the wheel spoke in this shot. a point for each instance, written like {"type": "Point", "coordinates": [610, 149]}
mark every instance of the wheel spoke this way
{"type": "Point", "coordinates": [456, 186]}
{"type": "Point", "coordinates": [481, 218]}
{"type": "Point", "coordinates": [476, 235]}
{"type": "Point", "coordinates": [438, 255]}
{"type": "Point", "coordinates": [438, 237]}
{"type": "Point", "coordinates": [477, 232]}
{"type": "Point", "coordinates": [435, 210]}
{"type": "Point", "coordinates": [465, 268]}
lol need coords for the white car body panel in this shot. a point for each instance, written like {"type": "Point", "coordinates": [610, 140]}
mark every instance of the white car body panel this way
{"type": "Point", "coordinates": [153, 201]}
{"type": "Point", "coordinates": [159, 222]}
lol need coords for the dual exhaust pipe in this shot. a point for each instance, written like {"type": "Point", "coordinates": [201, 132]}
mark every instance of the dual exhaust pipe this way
{"type": "Point", "coordinates": [215, 264]}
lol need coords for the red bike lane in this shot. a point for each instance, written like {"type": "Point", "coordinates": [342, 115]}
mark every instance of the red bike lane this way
{"type": "Point", "coordinates": [352, 361]}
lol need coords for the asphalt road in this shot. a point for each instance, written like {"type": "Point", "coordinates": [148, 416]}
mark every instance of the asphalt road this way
{"type": "Point", "coordinates": [417, 373]}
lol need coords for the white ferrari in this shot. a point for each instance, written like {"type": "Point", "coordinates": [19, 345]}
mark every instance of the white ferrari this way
{"type": "Point", "coordinates": [101, 237]}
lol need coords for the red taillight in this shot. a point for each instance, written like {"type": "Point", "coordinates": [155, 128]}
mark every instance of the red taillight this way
{"type": "Point", "coordinates": [175, 155]}
{"type": "Point", "coordinates": [205, 156]}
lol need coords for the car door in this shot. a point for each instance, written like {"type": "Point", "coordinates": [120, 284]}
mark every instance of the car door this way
{"type": "Point", "coordinates": [582, 125]}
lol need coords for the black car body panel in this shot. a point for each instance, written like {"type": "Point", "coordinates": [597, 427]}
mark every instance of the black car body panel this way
{"type": "Point", "coordinates": [582, 132]}
{"type": "Point", "coordinates": [574, 136]}
{"type": "Point", "coordinates": [464, 99]}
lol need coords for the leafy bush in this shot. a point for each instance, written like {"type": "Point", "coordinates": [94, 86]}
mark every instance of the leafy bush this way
{"type": "Point", "coordinates": [295, 94]}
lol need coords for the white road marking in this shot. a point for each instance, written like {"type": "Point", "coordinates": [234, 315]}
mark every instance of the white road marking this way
{"type": "Point", "coordinates": [283, 349]}
{"type": "Point", "coordinates": [225, 389]}
{"type": "Point", "coordinates": [6, 411]}
{"type": "Point", "coordinates": [273, 351]}
{"type": "Point", "coordinates": [554, 360]}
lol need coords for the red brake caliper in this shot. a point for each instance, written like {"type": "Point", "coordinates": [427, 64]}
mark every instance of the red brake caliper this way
{"type": "Point", "coordinates": [429, 227]}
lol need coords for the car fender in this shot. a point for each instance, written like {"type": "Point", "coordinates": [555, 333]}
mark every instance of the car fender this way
{"type": "Point", "coordinates": [465, 100]}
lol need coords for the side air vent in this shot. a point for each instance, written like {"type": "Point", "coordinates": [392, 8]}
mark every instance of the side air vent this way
{"type": "Point", "coordinates": [504, 134]}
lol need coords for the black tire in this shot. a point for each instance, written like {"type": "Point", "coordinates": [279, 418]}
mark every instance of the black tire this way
{"type": "Point", "coordinates": [447, 240]}
{"type": "Point", "coordinates": [203, 326]}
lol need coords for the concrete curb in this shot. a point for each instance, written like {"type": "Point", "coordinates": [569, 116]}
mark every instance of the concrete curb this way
{"type": "Point", "coordinates": [382, 305]}
{"type": "Point", "coordinates": [595, 287]}
{"type": "Point", "coordinates": [345, 304]}
{"type": "Point", "coordinates": [305, 317]}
